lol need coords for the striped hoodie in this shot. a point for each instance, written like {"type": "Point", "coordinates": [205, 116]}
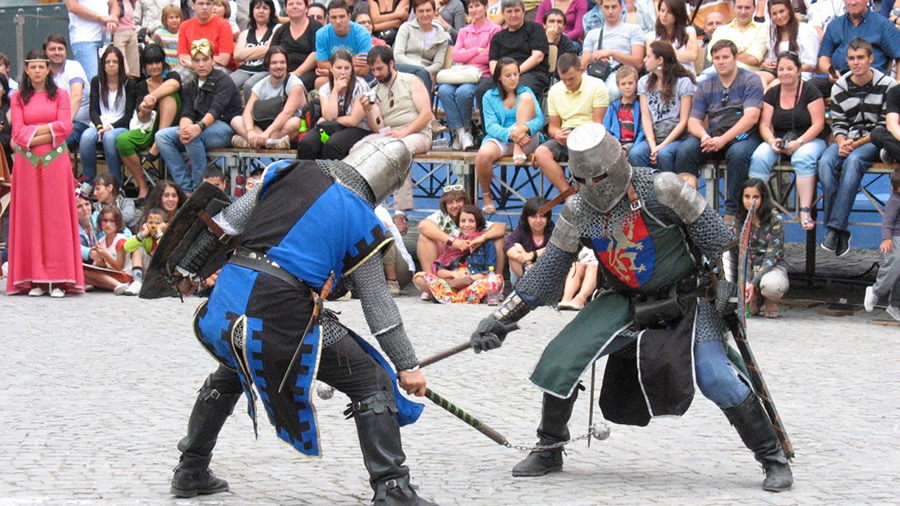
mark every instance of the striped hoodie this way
{"type": "Point", "coordinates": [857, 110]}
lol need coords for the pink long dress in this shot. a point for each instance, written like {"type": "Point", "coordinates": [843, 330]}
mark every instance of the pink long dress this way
{"type": "Point", "coordinates": [43, 224]}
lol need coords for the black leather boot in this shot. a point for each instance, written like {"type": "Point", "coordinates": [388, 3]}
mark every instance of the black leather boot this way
{"type": "Point", "coordinates": [192, 475]}
{"type": "Point", "coordinates": [379, 440]}
{"type": "Point", "coordinates": [555, 415]}
{"type": "Point", "coordinates": [752, 423]}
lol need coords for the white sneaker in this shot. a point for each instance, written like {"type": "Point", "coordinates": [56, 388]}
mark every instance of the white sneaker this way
{"type": "Point", "coordinates": [426, 296]}
{"type": "Point", "coordinates": [894, 312]}
{"type": "Point", "coordinates": [282, 143]}
{"type": "Point", "coordinates": [393, 287]}
{"type": "Point", "coordinates": [36, 292]}
{"type": "Point", "coordinates": [4, 269]}
{"type": "Point", "coordinates": [466, 140]}
{"type": "Point", "coordinates": [134, 288]}
{"type": "Point", "coordinates": [456, 145]}
{"type": "Point", "coordinates": [120, 288]}
{"type": "Point", "coordinates": [57, 293]}
{"type": "Point", "coordinates": [239, 142]}
{"type": "Point", "coordinates": [870, 300]}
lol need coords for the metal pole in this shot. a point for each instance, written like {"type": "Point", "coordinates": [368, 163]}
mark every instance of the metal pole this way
{"type": "Point", "coordinates": [19, 21]}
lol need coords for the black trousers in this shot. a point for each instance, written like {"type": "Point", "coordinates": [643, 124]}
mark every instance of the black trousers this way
{"type": "Point", "coordinates": [886, 140]}
{"type": "Point", "coordinates": [343, 365]}
{"type": "Point", "coordinates": [337, 147]}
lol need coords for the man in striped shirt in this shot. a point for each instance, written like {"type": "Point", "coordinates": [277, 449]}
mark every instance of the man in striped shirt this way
{"type": "Point", "coordinates": [857, 100]}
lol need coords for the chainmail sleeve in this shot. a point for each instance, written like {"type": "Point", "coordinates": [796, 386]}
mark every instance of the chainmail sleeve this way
{"type": "Point", "coordinates": [543, 285]}
{"type": "Point", "coordinates": [234, 218]}
{"type": "Point", "coordinates": [382, 314]}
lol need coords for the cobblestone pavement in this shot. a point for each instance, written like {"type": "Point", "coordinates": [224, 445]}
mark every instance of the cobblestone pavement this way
{"type": "Point", "coordinates": [98, 390]}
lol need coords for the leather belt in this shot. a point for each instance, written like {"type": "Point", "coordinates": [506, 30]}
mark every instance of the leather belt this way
{"type": "Point", "coordinates": [260, 262]}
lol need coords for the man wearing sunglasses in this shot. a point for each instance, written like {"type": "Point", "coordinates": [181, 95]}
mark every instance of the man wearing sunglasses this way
{"type": "Point", "coordinates": [732, 102]}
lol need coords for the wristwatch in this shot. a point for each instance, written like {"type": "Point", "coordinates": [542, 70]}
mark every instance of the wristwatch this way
{"type": "Point", "coordinates": [450, 240]}
{"type": "Point", "coordinates": [201, 124]}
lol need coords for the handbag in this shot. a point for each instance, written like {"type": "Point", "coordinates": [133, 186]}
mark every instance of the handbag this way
{"type": "Point", "coordinates": [143, 126]}
{"type": "Point", "coordinates": [600, 68]}
{"type": "Point", "coordinates": [459, 74]}
{"type": "Point", "coordinates": [330, 127]}
{"type": "Point", "coordinates": [265, 111]}
{"type": "Point", "coordinates": [389, 35]}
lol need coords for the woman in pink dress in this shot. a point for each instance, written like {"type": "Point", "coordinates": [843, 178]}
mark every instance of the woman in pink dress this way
{"type": "Point", "coordinates": [44, 251]}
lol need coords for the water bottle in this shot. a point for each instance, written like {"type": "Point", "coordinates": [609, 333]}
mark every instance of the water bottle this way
{"type": "Point", "coordinates": [494, 286]}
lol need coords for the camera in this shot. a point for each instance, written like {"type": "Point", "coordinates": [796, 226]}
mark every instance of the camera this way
{"type": "Point", "coordinates": [371, 96]}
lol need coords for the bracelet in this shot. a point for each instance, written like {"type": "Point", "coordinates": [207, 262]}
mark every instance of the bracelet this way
{"type": "Point", "coordinates": [201, 124]}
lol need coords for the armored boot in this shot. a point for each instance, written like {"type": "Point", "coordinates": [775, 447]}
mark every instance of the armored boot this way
{"type": "Point", "coordinates": [192, 475]}
{"type": "Point", "coordinates": [379, 440]}
{"type": "Point", "coordinates": [555, 415]}
{"type": "Point", "coordinates": [752, 423]}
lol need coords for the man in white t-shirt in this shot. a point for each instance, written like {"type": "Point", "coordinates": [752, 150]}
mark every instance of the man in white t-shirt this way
{"type": "Point", "coordinates": [822, 12]}
{"type": "Point", "coordinates": [90, 23]}
{"type": "Point", "coordinates": [615, 41]}
{"type": "Point", "coordinates": [279, 133]}
{"type": "Point", "coordinates": [398, 263]}
{"type": "Point", "coordinates": [70, 76]}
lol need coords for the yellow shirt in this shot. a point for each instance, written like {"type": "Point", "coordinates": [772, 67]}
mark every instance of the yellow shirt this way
{"type": "Point", "coordinates": [751, 41]}
{"type": "Point", "coordinates": [577, 108]}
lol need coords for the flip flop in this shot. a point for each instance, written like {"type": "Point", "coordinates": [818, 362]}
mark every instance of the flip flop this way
{"type": "Point", "coordinates": [489, 209]}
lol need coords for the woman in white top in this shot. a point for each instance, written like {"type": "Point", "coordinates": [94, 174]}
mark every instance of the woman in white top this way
{"type": "Point", "coordinates": [111, 106]}
{"type": "Point", "coordinates": [342, 122]}
{"type": "Point", "coordinates": [787, 33]}
{"type": "Point", "coordinates": [673, 26]}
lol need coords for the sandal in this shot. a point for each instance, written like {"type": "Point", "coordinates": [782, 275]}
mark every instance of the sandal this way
{"type": "Point", "coordinates": [770, 310]}
{"type": "Point", "coordinates": [489, 209]}
{"type": "Point", "coordinates": [807, 223]}
{"type": "Point", "coordinates": [520, 159]}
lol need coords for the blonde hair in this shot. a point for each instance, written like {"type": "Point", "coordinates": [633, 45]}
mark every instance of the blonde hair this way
{"type": "Point", "coordinates": [625, 71]}
{"type": "Point", "coordinates": [170, 9]}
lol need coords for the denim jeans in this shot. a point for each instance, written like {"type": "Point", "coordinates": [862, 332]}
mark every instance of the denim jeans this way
{"type": "Point", "coordinates": [87, 149]}
{"type": "Point", "coordinates": [716, 376]}
{"type": "Point", "coordinates": [803, 160]}
{"type": "Point", "coordinates": [639, 155]}
{"type": "Point", "coordinates": [840, 178]}
{"type": "Point", "coordinates": [737, 160]}
{"type": "Point", "coordinates": [458, 101]}
{"type": "Point", "coordinates": [217, 135]}
{"type": "Point", "coordinates": [87, 54]}
{"type": "Point", "coordinates": [74, 138]}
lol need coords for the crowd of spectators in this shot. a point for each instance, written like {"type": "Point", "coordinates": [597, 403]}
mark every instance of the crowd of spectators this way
{"type": "Point", "coordinates": [750, 85]}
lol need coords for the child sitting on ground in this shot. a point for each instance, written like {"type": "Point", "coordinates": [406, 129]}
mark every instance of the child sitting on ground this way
{"type": "Point", "coordinates": [461, 276]}
{"type": "Point", "coordinates": [623, 117]}
{"type": "Point", "coordinates": [109, 254]}
{"type": "Point", "coordinates": [108, 192]}
{"type": "Point", "coordinates": [888, 280]}
{"type": "Point", "coordinates": [142, 246]}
